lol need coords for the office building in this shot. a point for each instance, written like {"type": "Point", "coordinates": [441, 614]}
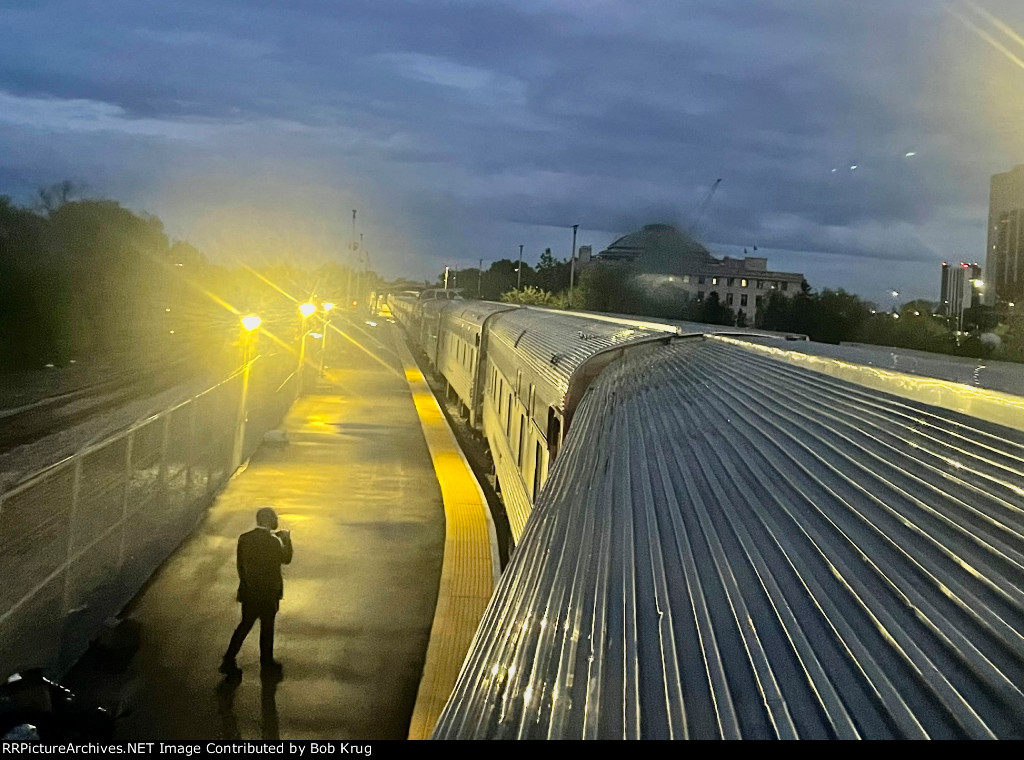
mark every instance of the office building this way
{"type": "Point", "coordinates": [1004, 255]}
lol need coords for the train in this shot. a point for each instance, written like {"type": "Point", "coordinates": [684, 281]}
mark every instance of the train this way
{"type": "Point", "coordinates": [521, 371]}
{"type": "Point", "coordinates": [713, 542]}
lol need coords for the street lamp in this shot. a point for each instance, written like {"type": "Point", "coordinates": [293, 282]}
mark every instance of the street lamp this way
{"type": "Point", "coordinates": [572, 264]}
{"type": "Point", "coordinates": [250, 323]}
{"type": "Point", "coordinates": [306, 310]}
{"type": "Point", "coordinates": [327, 307]}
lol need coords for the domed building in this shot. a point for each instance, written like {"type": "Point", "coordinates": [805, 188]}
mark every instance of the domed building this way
{"type": "Point", "coordinates": [663, 254]}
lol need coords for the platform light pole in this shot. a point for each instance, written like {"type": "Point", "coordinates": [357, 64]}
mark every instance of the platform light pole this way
{"type": "Point", "coordinates": [250, 324]}
{"type": "Point", "coordinates": [352, 255]}
{"type": "Point", "coordinates": [327, 307]}
{"type": "Point", "coordinates": [572, 264]}
{"type": "Point", "coordinates": [306, 310]}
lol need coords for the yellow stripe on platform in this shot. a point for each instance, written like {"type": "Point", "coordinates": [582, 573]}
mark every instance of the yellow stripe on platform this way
{"type": "Point", "coordinates": [470, 568]}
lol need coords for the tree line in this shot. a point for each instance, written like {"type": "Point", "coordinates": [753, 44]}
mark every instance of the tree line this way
{"type": "Point", "coordinates": [826, 315]}
{"type": "Point", "coordinates": [88, 280]}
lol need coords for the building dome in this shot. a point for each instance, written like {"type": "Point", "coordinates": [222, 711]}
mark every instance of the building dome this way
{"type": "Point", "coordinates": [660, 248]}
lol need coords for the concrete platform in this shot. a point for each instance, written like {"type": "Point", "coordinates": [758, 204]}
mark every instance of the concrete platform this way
{"type": "Point", "coordinates": [356, 486]}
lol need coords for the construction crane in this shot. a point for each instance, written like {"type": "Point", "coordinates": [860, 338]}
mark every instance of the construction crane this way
{"type": "Point", "coordinates": [698, 214]}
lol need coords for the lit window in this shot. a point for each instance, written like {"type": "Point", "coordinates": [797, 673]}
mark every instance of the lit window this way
{"type": "Point", "coordinates": [714, 280]}
{"type": "Point", "coordinates": [686, 279]}
{"type": "Point", "coordinates": [743, 283]}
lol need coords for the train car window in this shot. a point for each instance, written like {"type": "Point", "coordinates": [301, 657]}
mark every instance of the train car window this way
{"type": "Point", "coordinates": [519, 383]}
{"type": "Point", "coordinates": [554, 432]}
{"type": "Point", "coordinates": [529, 408]}
{"type": "Point", "coordinates": [538, 467]}
{"type": "Point", "coordinates": [508, 419]}
{"type": "Point", "coordinates": [522, 439]}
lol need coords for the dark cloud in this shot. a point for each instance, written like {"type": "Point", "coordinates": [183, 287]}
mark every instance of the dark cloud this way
{"type": "Point", "coordinates": [464, 128]}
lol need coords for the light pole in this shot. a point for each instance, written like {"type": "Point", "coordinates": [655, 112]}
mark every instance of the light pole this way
{"type": "Point", "coordinates": [327, 306]}
{"type": "Point", "coordinates": [250, 324]}
{"type": "Point", "coordinates": [306, 310]}
{"type": "Point", "coordinates": [572, 264]}
{"type": "Point", "coordinates": [519, 270]}
{"type": "Point", "coordinates": [351, 264]}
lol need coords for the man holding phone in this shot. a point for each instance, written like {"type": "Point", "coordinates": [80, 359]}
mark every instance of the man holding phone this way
{"type": "Point", "coordinates": [261, 552]}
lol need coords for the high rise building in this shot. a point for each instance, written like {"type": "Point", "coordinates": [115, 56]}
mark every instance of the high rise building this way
{"type": "Point", "coordinates": [961, 284]}
{"type": "Point", "coordinates": [1004, 256]}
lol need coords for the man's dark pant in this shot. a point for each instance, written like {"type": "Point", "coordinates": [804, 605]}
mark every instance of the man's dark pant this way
{"type": "Point", "coordinates": [250, 612]}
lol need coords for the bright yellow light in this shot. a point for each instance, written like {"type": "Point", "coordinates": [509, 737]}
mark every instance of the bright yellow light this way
{"type": "Point", "coordinates": [328, 306]}
{"type": "Point", "coordinates": [979, 284]}
{"type": "Point", "coordinates": [306, 309]}
{"type": "Point", "coordinates": [251, 322]}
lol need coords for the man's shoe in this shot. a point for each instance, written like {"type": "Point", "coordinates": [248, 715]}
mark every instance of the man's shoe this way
{"type": "Point", "coordinates": [229, 668]}
{"type": "Point", "coordinates": [270, 664]}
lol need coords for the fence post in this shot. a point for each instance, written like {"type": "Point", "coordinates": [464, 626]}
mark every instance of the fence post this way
{"type": "Point", "coordinates": [191, 450]}
{"type": "Point", "coordinates": [161, 483]}
{"type": "Point", "coordinates": [126, 499]}
{"type": "Point", "coordinates": [75, 486]}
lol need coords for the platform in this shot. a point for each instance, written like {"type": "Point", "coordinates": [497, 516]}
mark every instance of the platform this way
{"type": "Point", "coordinates": [357, 486]}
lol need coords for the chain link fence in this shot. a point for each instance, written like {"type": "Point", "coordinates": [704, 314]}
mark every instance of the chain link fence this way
{"type": "Point", "coordinates": [80, 538]}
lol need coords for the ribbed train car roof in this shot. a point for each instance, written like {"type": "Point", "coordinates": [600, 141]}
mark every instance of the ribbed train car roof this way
{"type": "Point", "coordinates": [1007, 377]}
{"type": "Point", "coordinates": [555, 344]}
{"type": "Point", "coordinates": [477, 312]}
{"type": "Point", "coordinates": [730, 546]}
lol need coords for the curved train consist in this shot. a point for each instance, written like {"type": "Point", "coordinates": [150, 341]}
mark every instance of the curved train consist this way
{"type": "Point", "coordinates": [715, 543]}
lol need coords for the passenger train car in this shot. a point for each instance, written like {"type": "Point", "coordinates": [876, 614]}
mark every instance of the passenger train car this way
{"type": "Point", "coordinates": [520, 373]}
{"type": "Point", "coordinates": [729, 545]}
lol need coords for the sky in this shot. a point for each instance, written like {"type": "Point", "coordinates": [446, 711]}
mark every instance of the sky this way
{"type": "Point", "coordinates": [462, 129]}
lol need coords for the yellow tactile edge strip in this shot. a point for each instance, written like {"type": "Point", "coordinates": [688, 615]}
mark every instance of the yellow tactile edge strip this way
{"type": "Point", "coordinates": [470, 567]}
{"type": "Point", "coordinates": [993, 406]}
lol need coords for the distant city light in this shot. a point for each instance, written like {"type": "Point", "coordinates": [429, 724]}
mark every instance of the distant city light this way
{"type": "Point", "coordinates": [979, 284]}
{"type": "Point", "coordinates": [852, 167]}
{"type": "Point", "coordinates": [328, 305]}
{"type": "Point", "coordinates": [306, 309]}
{"type": "Point", "coordinates": [316, 335]}
{"type": "Point", "coordinates": [910, 153]}
{"type": "Point", "coordinates": [834, 171]}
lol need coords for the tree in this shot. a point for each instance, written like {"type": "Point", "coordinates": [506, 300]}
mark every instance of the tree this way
{"type": "Point", "coordinates": [530, 296]}
{"type": "Point", "coordinates": [49, 199]}
{"type": "Point", "coordinates": [712, 311]}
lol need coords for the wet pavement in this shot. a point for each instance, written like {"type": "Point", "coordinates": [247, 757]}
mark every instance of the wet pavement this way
{"type": "Point", "coordinates": [356, 487]}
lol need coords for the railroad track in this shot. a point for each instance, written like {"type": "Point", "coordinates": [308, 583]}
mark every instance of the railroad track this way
{"type": "Point", "coordinates": [31, 422]}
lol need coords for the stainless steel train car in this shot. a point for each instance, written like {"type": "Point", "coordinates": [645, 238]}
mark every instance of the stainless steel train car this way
{"type": "Point", "coordinates": [733, 547]}
{"type": "Point", "coordinates": [465, 327]}
{"type": "Point", "coordinates": [520, 372]}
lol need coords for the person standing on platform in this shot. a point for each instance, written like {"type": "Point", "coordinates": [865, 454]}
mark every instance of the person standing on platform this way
{"type": "Point", "coordinates": [261, 552]}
